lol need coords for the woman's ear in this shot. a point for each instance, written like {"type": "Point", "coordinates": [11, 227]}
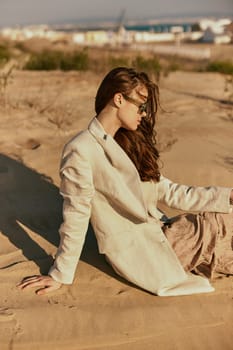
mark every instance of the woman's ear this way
{"type": "Point", "coordinates": [117, 98]}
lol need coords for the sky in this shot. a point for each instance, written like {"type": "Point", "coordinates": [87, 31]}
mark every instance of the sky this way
{"type": "Point", "coordinates": [23, 12]}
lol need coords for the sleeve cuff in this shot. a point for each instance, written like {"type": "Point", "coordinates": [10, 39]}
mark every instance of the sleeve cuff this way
{"type": "Point", "coordinates": [59, 277]}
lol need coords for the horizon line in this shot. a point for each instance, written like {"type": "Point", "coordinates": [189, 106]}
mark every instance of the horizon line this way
{"type": "Point", "coordinates": [115, 20]}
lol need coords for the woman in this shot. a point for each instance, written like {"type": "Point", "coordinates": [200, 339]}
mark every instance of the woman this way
{"type": "Point", "coordinates": [110, 174]}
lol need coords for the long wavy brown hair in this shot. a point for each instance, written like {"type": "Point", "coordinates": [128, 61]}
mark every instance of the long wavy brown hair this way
{"type": "Point", "coordinates": [140, 145]}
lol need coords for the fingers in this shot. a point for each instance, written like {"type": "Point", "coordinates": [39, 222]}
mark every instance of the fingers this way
{"type": "Point", "coordinates": [46, 290]}
{"type": "Point", "coordinates": [27, 281]}
{"type": "Point", "coordinates": [45, 284]}
{"type": "Point", "coordinates": [33, 281]}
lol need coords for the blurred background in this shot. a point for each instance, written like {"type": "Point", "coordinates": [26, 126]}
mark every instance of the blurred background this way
{"type": "Point", "coordinates": [157, 36]}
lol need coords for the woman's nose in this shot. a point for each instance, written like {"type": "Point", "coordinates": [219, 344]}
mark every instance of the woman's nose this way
{"type": "Point", "coordinates": [144, 114]}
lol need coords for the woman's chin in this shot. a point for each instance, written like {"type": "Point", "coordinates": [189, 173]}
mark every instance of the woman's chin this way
{"type": "Point", "coordinates": [131, 127]}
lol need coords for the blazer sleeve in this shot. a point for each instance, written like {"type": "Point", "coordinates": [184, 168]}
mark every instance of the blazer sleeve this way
{"type": "Point", "coordinates": [192, 198]}
{"type": "Point", "coordinates": [77, 190]}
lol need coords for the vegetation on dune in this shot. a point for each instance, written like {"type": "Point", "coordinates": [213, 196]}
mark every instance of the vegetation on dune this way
{"type": "Point", "coordinates": [225, 67]}
{"type": "Point", "coordinates": [4, 54]}
{"type": "Point", "coordinates": [121, 61]}
{"type": "Point", "coordinates": [150, 65]}
{"type": "Point", "coordinates": [85, 60]}
{"type": "Point", "coordinates": [99, 60]}
{"type": "Point", "coordinates": [102, 59]}
{"type": "Point", "coordinates": [52, 60]}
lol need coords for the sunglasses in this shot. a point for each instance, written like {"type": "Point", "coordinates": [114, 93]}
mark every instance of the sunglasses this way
{"type": "Point", "coordinates": [142, 107]}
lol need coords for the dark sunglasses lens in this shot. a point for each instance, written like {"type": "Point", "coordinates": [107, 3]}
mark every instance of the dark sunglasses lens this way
{"type": "Point", "coordinates": [142, 108]}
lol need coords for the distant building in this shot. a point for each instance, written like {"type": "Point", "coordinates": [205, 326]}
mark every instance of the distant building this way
{"type": "Point", "coordinates": [207, 30]}
{"type": "Point", "coordinates": [215, 31]}
{"type": "Point", "coordinates": [210, 36]}
{"type": "Point", "coordinates": [103, 37]}
{"type": "Point", "coordinates": [218, 26]}
{"type": "Point", "coordinates": [96, 37]}
{"type": "Point", "coordinates": [78, 38]}
{"type": "Point", "coordinates": [150, 37]}
{"type": "Point", "coordinates": [25, 33]}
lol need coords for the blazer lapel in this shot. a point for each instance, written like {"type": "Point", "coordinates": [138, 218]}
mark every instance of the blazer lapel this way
{"type": "Point", "coordinates": [120, 161]}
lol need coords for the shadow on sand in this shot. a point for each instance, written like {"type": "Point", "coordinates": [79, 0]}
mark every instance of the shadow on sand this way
{"type": "Point", "coordinates": [32, 199]}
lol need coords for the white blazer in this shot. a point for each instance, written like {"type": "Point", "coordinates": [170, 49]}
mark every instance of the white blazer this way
{"type": "Point", "coordinates": [100, 182]}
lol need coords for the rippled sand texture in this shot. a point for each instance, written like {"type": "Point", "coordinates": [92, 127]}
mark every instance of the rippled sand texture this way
{"type": "Point", "coordinates": [41, 111]}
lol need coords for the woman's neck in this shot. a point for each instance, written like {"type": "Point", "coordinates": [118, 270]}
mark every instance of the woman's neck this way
{"type": "Point", "coordinates": [109, 121]}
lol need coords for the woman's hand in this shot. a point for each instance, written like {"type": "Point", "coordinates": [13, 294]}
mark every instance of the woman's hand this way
{"type": "Point", "coordinates": [46, 284]}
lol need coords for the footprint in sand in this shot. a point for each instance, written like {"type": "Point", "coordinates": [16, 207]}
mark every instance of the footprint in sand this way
{"type": "Point", "coordinates": [6, 315]}
{"type": "Point", "coordinates": [122, 291]}
{"type": "Point", "coordinates": [31, 144]}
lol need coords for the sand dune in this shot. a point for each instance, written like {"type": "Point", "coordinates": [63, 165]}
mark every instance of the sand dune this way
{"type": "Point", "coordinates": [101, 310]}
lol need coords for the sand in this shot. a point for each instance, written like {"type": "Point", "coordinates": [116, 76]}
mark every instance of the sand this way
{"type": "Point", "coordinates": [39, 112]}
